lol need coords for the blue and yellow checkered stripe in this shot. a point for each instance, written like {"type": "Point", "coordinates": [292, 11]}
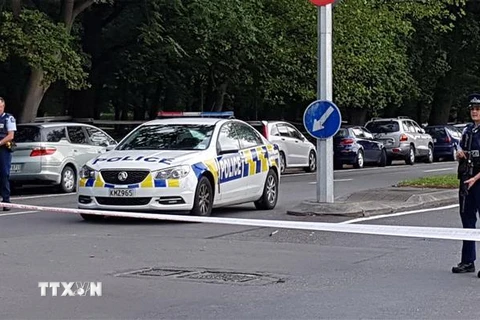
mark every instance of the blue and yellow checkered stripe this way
{"type": "Point", "coordinates": [148, 182]}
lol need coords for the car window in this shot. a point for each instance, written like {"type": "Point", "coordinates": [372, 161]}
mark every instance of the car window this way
{"type": "Point", "coordinates": [227, 138]}
{"type": "Point", "coordinates": [342, 133]}
{"type": "Point", "coordinates": [98, 137]}
{"type": "Point", "coordinates": [54, 134]}
{"type": "Point", "coordinates": [383, 126]}
{"type": "Point", "coordinates": [294, 133]}
{"type": "Point", "coordinates": [454, 133]}
{"type": "Point", "coordinates": [248, 137]}
{"type": "Point", "coordinates": [76, 135]}
{"type": "Point", "coordinates": [367, 133]}
{"type": "Point", "coordinates": [357, 132]}
{"type": "Point", "coordinates": [282, 129]}
{"type": "Point", "coordinates": [169, 137]}
{"type": "Point", "coordinates": [28, 134]}
{"type": "Point", "coordinates": [274, 131]}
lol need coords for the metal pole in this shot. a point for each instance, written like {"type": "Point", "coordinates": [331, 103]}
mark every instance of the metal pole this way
{"type": "Point", "coordinates": [324, 92]}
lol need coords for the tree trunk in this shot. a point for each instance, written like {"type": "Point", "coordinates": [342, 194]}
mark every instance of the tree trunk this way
{"type": "Point", "coordinates": [35, 92]}
{"type": "Point", "coordinates": [356, 116]}
{"type": "Point", "coordinates": [221, 92]}
{"type": "Point", "coordinates": [442, 102]}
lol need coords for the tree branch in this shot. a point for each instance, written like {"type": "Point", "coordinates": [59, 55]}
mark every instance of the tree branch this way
{"type": "Point", "coordinates": [80, 7]}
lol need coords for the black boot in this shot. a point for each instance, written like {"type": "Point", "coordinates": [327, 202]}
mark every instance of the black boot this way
{"type": "Point", "coordinates": [464, 268]}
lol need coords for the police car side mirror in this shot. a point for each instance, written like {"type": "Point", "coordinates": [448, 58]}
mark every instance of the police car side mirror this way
{"type": "Point", "coordinates": [110, 147]}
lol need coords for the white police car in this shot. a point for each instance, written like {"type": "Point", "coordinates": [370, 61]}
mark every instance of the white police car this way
{"type": "Point", "coordinates": [183, 164]}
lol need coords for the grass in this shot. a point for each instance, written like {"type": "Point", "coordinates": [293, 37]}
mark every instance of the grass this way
{"type": "Point", "coordinates": [444, 181]}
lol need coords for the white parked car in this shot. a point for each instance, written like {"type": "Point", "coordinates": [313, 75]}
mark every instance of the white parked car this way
{"type": "Point", "coordinates": [295, 150]}
{"type": "Point", "coordinates": [183, 164]}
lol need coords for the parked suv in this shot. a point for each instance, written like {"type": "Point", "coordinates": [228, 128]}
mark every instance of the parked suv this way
{"type": "Point", "coordinates": [295, 150]}
{"type": "Point", "coordinates": [403, 138]}
{"type": "Point", "coordinates": [53, 153]}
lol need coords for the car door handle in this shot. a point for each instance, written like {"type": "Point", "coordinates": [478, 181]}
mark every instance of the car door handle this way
{"type": "Point", "coordinates": [75, 150]}
{"type": "Point", "coordinates": [283, 139]}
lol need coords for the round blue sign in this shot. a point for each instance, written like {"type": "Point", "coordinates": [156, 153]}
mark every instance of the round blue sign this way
{"type": "Point", "coordinates": [322, 119]}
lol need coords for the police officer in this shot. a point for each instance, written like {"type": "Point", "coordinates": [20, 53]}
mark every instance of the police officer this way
{"type": "Point", "coordinates": [469, 188]}
{"type": "Point", "coordinates": [7, 129]}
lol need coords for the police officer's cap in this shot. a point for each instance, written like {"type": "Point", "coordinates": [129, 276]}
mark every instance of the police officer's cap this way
{"type": "Point", "coordinates": [474, 100]}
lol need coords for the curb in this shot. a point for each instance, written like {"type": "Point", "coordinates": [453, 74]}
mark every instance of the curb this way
{"type": "Point", "coordinates": [430, 199]}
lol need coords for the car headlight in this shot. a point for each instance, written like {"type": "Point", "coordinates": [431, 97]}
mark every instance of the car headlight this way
{"type": "Point", "coordinates": [173, 173]}
{"type": "Point", "coordinates": [86, 172]}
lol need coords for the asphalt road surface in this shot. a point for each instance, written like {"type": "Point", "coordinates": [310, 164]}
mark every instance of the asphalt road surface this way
{"type": "Point", "coordinates": [166, 270]}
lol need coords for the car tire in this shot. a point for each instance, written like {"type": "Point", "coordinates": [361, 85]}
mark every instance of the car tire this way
{"type": "Point", "coordinates": [269, 197]}
{"type": "Point", "coordinates": [410, 158]}
{"type": "Point", "coordinates": [383, 159]}
{"type": "Point", "coordinates": [453, 157]}
{"type": "Point", "coordinates": [68, 181]}
{"type": "Point", "coordinates": [203, 201]}
{"type": "Point", "coordinates": [359, 160]}
{"type": "Point", "coordinates": [92, 217]}
{"type": "Point", "coordinates": [389, 161]}
{"type": "Point", "coordinates": [429, 158]}
{"type": "Point", "coordinates": [283, 163]}
{"type": "Point", "coordinates": [312, 162]}
{"type": "Point", "coordinates": [337, 165]}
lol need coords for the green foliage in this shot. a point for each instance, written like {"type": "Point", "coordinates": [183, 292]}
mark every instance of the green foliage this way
{"type": "Point", "coordinates": [442, 181]}
{"type": "Point", "coordinates": [42, 45]}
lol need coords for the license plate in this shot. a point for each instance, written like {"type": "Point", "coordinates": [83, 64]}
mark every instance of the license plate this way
{"type": "Point", "coordinates": [122, 193]}
{"type": "Point", "coordinates": [16, 167]}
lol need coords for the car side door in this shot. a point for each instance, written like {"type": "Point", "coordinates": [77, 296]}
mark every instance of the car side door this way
{"type": "Point", "coordinates": [230, 164]}
{"type": "Point", "coordinates": [301, 145]}
{"type": "Point", "coordinates": [81, 150]}
{"type": "Point", "coordinates": [288, 144]}
{"type": "Point", "coordinates": [255, 158]}
{"type": "Point", "coordinates": [423, 137]}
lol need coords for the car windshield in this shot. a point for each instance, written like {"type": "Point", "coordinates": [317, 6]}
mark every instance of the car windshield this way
{"type": "Point", "coordinates": [169, 137]}
{"type": "Point", "coordinates": [341, 133]}
{"type": "Point", "coordinates": [383, 126]}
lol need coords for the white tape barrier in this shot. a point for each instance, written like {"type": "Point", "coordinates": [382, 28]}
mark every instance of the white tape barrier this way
{"type": "Point", "coordinates": [399, 231]}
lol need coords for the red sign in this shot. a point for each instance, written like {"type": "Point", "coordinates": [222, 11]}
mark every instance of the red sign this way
{"type": "Point", "coordinates": [322, 2]}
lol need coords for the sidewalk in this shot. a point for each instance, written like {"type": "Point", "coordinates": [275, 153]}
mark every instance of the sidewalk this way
{"type": "Point", "coordinates": [379, 201]}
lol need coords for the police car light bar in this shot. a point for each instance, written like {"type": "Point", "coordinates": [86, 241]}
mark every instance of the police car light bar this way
{"type": "Point", "coordinates": [181, 114]}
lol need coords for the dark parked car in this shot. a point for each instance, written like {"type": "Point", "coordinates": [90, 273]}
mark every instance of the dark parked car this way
{"type": "Point", "coordinates": [445, 137]}
{"type": "Point", "coordinates": [356, 145]}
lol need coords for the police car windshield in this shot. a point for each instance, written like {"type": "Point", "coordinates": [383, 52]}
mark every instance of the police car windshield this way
{"type": "Point", "coordinates": [169, 137]}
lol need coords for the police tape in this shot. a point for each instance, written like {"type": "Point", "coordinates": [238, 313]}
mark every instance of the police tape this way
{"type": "Point", "coordinates": [384, 230]}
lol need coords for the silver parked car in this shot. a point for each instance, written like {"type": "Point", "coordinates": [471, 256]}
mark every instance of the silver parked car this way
{"type": "Point", "coordinates": [295, 150]}
{"type": "Point", "coordinates": [403, 138]}
{"type": "Point", "coordinates": [53, 152]}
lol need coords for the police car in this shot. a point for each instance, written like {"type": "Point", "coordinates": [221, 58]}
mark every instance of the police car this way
{"type": "Point", "coordinates": [183, 164]}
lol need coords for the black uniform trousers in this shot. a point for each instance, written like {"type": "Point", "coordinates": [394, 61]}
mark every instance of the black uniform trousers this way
{"type": "Point", "coordinates": [5, 162]}
{"type": "Point", "coordinates": [469, 220]}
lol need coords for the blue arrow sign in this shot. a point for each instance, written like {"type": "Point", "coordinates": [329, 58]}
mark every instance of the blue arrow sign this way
{"type": "Point", "coordinates": [322, 119]}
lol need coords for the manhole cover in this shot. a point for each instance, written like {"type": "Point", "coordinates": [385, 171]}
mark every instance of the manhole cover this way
{"type": "Point", "coordinates": [154, 272]}
{"type": "Point", "coordinates": [222, 276]}
{"type": "Point", "coordinates": [204, 275]}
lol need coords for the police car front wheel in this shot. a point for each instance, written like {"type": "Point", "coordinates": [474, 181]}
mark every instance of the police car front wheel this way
{"type": "Point", "coordinates": [203, 202]}
{"type": "Point", "coordinates": [269, 197]}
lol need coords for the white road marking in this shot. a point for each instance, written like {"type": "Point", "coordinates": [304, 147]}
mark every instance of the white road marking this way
{"type": "Point", "coordinates": [17, 213]}
{"type": "Point", "coordinates": [435, 170]}
{"type": "Point", "coordinates": [45, 196]}
{"type": "Point", "coordinates": [366, 169]}
{"type": "Point", "coordinates": [398, 214]}
{"type": "Point", "coordinates": [336, 180]}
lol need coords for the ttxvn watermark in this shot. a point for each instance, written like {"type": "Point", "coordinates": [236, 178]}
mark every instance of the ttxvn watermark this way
{"type": "Point", "coordinates": [70, 289]}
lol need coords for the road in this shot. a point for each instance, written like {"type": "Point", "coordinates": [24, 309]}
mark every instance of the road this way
{"type": "Point", "coordinates": [166, 270]}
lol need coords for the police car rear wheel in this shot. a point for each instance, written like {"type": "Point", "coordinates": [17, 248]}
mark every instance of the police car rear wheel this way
{"type": "Point", "coordinates": [283, 163]}
{"type": "Point", "coordinates": [269, 197]}
{"type": "Point", "coordinates": [69, 180]}
{"type": "Point", "coordinates": [202, 205]}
